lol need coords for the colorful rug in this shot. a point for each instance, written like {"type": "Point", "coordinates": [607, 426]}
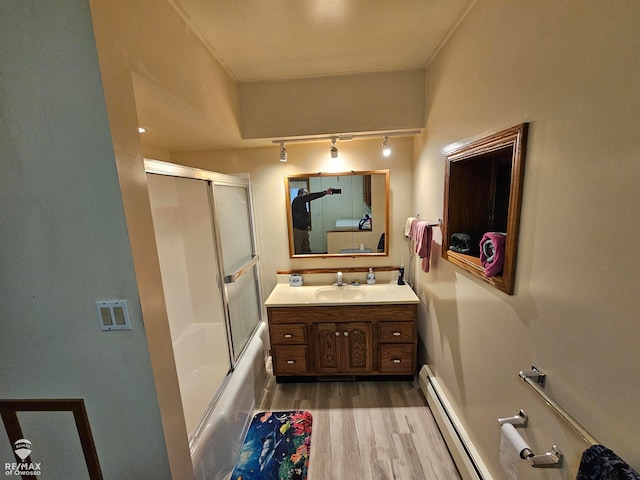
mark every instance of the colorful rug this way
{"type": "Point", "coordinates": [276, 447]}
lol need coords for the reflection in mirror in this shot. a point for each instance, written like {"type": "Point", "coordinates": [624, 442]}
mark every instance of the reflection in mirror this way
{"type": "Point", "coordinates": [338, 214]}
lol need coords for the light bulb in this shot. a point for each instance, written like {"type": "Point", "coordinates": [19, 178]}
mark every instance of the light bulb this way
{"type": "Point", "coordinates": [386, 147]}
{"type": "Point", "coordinates": [333, 149]}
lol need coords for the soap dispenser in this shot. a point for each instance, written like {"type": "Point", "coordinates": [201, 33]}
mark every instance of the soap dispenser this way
{"type": "Point", "coordinates": [371, 277]}
{"type": "Point", "coordinates": [401, 273]}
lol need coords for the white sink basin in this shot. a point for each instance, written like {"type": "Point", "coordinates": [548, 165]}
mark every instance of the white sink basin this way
{"type": "Point", "coordinates": [345, 292]}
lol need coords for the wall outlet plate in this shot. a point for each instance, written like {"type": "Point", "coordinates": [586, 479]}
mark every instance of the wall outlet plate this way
{"type": "Point", "coordinates": [113, 315]}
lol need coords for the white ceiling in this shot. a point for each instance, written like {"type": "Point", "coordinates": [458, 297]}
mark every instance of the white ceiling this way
{"type": "Point", "coordinates": [262, 40]}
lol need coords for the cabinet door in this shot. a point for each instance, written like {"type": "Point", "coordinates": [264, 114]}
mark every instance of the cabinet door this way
{"type": "Point", "coordinates": [327, 340]}
{"type": "Point", "coordinates": [356, 347]}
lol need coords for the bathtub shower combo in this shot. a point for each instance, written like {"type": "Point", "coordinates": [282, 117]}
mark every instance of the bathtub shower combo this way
{"type": "Point", "coordinates": [209, 266]}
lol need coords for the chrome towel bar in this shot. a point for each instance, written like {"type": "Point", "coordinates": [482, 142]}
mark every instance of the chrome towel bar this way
{"type": "Point", "coordinates": [536, 379]}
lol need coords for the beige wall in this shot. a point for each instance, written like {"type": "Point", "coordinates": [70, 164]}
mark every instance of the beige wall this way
{"type": "Point", "coordinates": [333, 104]}
{"type": "Point", "coordinates": [169, 60]}
{"type": "Point", "coordinates": [267, 182]}
{"type": "Point", "coordinates": [571, 70]}
{"type": "Point", "coordinates": [115, 65]}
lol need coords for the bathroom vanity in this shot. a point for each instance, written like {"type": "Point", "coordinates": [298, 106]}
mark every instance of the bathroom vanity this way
{"type": "Point", "coordinates": [320, 331]}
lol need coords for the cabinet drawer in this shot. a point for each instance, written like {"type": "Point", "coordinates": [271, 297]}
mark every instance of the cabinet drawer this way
{"type": "Point", "coordinates": [290, 360]}
{"type": "Point", "coordinates": [397, 358]}
{"type": "Point", "coordinates": [396, 332]}
{"type": "Point", "coordinates": [288, 334]}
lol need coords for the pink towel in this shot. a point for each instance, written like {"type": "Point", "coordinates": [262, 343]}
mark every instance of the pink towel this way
{"type": "Point", "coordinates": [422, 233]}
{"type": "Point", "coordinates": [492, 252]}
{"type": "Point", "coordinates": [412, 228]}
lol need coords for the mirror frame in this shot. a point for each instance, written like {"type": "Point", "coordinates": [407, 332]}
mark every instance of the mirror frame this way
{"type": "Point", "coordinates": [288, 178]}
{"type": "Point", "coordinates": [515, 139]}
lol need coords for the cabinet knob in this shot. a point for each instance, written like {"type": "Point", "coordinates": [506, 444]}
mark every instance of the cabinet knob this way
{"type": "Point", "coordinates": [291, 362]}
{"type": "Point", "coordinates": [396, 334]}
{"type": "Point", "coordinates": [337, 334]}
{"type": "Point", "coordinates": [287, 335]}
{"type": "Point", "coordinates": [396, 360]}
{"type": "Point", "coordinates": [346, 334]}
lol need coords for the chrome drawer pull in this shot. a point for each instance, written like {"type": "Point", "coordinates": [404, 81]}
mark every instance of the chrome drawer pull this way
{"type": "Point", "coordinates": [291, 362]}
{"type": "Point", "coordinates": [337, 334]}
{"type": "Point", "coordinates": [396, 360]}
{"type": "Point", "coordinates": [346, 334]}
{"type": "Point", "coordinates": [288, 335]}
{"type": "Point", "coordinates": [396, 334]}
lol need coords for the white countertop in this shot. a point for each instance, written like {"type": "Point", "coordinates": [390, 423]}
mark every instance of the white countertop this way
{"type": "Point", "coordinates": [381, 293]}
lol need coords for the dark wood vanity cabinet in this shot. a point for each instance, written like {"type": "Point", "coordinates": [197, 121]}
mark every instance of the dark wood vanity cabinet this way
{"type": "Point", "coordinates": [342, 348]}
{"type": "Point", "coordinates": [343, 340]}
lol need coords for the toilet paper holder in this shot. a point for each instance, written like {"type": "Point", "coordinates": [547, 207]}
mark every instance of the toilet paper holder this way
{"type": "Point", "coordinates": [519, 420]}
{"type": "Point", "coordinates": [551, 459]}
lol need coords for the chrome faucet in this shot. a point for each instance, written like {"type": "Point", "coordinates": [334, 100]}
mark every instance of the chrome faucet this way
{"type": "Point", "coordinates": [339, 282]}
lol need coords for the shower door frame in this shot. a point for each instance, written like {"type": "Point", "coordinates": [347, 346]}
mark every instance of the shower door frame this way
{"type": "Point", "coordinates": [214, 178]}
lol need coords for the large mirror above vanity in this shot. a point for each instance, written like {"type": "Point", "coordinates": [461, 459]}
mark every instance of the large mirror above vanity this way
{"type": "Point", "coordinates": [338, 214]}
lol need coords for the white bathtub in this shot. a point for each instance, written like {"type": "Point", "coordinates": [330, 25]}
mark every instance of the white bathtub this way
{"type": "Point", "coordinates": [215, 446]}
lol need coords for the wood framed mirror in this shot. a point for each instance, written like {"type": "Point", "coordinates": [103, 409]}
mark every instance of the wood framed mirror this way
{"type": "Point", "coordinates": [352, 220]}
{"type": "Point", "coordinates": [482, 201]}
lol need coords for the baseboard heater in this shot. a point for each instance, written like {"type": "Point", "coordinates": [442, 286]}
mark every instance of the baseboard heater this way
{"type": "Point", "coordinates": [465, 456]}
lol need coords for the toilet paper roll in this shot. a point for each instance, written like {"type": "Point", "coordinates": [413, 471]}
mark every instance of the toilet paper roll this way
{"type": "Point", "coordinates": [511, 445]}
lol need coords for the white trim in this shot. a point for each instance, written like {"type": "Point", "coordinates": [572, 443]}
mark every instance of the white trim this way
{"type": "Point", "coordinates": [465, 455]}
{"type": "Point", "coordinates": [174, 170]}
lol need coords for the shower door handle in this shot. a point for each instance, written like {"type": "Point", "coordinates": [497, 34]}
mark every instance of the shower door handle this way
{"type": "Point", "coordinates": [245, 268]}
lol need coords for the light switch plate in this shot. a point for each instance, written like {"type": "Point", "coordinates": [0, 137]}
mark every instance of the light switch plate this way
{"type": "Point", "coordinates": [113, 315]}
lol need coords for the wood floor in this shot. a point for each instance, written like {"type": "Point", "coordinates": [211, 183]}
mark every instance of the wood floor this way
{"type": "Point", "coordinates": [366, 430]}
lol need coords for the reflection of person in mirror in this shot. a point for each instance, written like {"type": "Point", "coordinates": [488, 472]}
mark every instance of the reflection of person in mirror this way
{"type": "Point", "coordinates": [302, 219]}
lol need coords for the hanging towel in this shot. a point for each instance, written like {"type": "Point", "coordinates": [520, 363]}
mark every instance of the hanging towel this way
{"type": "Point", "coordinates": [412, 229]}
{"type": "Point", "coordinates": [407, 226]}
{"type": "Point", "coordinates": [422, 234]}
{"type": "Point", "coordinates": [600, 463]}
{"type": "Point", "coordinates": [492, 252]}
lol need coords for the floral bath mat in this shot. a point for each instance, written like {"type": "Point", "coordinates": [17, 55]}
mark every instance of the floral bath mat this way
{"type": "Point", "coordinates": [276, 447]}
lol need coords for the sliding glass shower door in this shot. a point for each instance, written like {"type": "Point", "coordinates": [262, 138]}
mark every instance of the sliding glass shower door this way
{"type": "Point", "coordinates": [209, 267]}
{"type": "Point", "coordinates": [239, 260]}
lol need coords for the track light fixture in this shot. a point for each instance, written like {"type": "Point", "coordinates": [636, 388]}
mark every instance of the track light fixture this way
{"type": "Point", "coordinates": [333, 149]}
{"type": "Point", "coordinates": [386, 147]}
